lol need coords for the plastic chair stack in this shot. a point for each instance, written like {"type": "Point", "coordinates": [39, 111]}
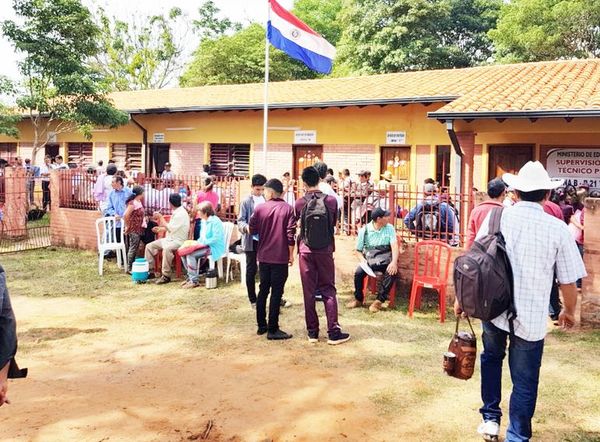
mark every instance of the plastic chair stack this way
{"type": "Point", "coordinates": [432, 265]}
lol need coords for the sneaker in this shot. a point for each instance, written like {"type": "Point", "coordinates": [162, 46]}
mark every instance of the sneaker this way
{"type": "Point", "coordinates": [355, 303]}
{"type": "Point", "coordinates": [338, 338]}
{"type": "Point", "coordinates": [313, 338]}
{"type": "Point", "coordinates": [163, 280]}
{"type": "Point", "coordinates": [184, 283]}
{"type": "Point", "coordinates": [151, 275]}
{"type": "Point", "coordinates": [261, 331]}
{"type": "Point", "coordinates": [278, 335]}
{"type": "Point", "coordinates": [318, 296]}
{"type": "Point", "coordinates": [376, 306]}
{"type": "Point", "coordinates": [489, 430]}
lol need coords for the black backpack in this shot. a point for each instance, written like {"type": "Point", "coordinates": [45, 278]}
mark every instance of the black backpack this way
{"type": "Point", "coordinates": [428, 220]}
{"type": "Point", "coordinates": [483, 277]}
{"type": "Point", "coordinates": [315, 223]}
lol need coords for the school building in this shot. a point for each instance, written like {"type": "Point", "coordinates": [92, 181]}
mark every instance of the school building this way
{"type": "Point", "coordinates": [470, 123]}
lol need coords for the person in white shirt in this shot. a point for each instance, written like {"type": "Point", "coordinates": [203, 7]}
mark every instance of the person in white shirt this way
{"type": "Point", "coordinates": [167, 174]}
{"type": "Point", "coordinates": [537, 245]}
{"type": "Point", "coordinates": [60, 164]}
{"type": "Point", "coordinates": [325, 187]}
{"type": "Point", "coordinates": [176, 232]}
{"type": "Point", "coordinates": [45, 174]}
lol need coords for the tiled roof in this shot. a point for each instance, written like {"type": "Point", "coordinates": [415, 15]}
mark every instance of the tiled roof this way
{"type": "Point", "coordinates": [528, 87]}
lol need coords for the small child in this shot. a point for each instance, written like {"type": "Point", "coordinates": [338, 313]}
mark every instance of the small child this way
{"type": "Point", "coordinates": [135, 223]}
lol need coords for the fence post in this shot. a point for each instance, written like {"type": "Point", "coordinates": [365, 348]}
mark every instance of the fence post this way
{"type": "Point", "coordinates": [16, 202]}
{"type": "Point", "coordinates": [391, 196]}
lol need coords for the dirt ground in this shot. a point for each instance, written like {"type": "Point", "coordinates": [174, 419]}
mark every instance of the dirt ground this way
{"type": "Point", "coordinates": [113, 361]}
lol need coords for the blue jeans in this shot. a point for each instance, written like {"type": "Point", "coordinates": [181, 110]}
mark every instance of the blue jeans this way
{"type": "Point", "coordinates": [524, 361]}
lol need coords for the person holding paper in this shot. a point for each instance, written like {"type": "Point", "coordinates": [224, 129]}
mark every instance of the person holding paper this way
{"type": "Point", "coordinates": [377, 249]}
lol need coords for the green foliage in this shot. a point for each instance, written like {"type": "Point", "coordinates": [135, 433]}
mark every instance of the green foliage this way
{"type": "Point", "coordinates": [133, 56]}
{"type": "Point", "coordinates": [240, 58]}
{"type": "Point", "coordinates": [208, 25]}
{"type": "Point", "coordinates": [536, 30]}
{"type": "Point", "coordinates": [60, 91]}
{"type": "Point", "coordinates": [322, 16]}
{"type": "Point", "coordinates": [402, 35]}
{"type": "Point", "coordinates": [8, 118]}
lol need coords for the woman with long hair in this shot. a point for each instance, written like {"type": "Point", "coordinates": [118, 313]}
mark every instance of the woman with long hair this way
{"type": "Point", "coordinates": [206, 194]}
{"type": "Point", "coordinates": [135, 223]}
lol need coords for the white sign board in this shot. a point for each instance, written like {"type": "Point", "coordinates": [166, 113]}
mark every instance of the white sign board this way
{"type": "Point", "coordinates": [395, 137]}
{"type": "Point", "coordinates": [575, 165]}
{"type": "Point", "coordinates": [305, 137]}
{"type": "Point", "coordinates": [158, 137]}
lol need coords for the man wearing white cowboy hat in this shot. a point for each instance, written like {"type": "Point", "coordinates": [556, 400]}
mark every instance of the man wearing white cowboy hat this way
{"type": "Point", "coordinates": [536, 244]}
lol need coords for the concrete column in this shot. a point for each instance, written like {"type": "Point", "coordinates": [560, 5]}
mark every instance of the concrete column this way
{"type": "Point", "coordinates": [467, 144]}
{"type": "Point", "coordinates": [590, 298]}
{"type": "Point", "coordinates": [16, 203]}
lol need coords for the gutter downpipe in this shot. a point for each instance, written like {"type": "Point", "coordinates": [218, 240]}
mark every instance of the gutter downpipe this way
{"type": "Point", "coordinates": [459, 153]}
{"type": "Point", "coordinates": [149, 160]}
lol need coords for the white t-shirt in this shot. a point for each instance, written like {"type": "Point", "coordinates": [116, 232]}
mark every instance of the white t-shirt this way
{"type": "Point", "coordinates": [328, 190]}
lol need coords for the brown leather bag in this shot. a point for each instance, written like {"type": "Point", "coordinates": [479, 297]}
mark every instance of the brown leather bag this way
{"type": "Point", "coordinates": [459, 362]}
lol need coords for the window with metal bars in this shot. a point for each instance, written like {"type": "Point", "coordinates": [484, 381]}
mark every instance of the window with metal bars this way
{"type": "Point", "coordinates": [8, 151]}
{"type": "Point", "coordinates": [227, 159]}
{"type": "Point", "coordinates": [80, 154]}
{"type": "Point", "coordinates": [127, 156]}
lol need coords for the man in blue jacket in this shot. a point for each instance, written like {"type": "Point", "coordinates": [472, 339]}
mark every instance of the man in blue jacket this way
{"type": "Point", "coordinates": [431, 218]}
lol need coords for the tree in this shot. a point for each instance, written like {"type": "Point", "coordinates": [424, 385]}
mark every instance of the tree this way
{"type": "Point", "coordinates": [322, 16]}
{"type": "Point", "coordinates": [209, 25]}
{"type": "Point", "coordinates": [402, 35]}
{"type": "Point", "coordinates": [8, 118]}
{"type": "Point", "coordinates": [60, 91]}
{"type": "Point", "coordinates": [134, 56]}
{"type": "Point", "coordinates": [240, 58]}
{"type": "Point", "coordinates": [537, 30]}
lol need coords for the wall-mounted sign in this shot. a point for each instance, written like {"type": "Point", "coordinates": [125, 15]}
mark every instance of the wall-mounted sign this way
{"type": "Point", "coordinates": [305, 137]}
{"type": "Point", "coordinates": [576, 166]}
{"type": "Point", "coordinates": [395, 137]}
{"type": "Point", "coordinates": [158, 137]}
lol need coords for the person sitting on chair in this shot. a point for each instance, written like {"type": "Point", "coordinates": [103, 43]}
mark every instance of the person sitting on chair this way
{"type": "Point", "coordinates": [176, 230]}
{"type": "Point", "coordinates": [377, 248]}
{"type": "Point", "coordinates": [212, 237]}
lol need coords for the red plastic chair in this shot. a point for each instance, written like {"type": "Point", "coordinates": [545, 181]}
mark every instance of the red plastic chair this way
{"type": "Point", "coordinates": [432, 265]}
{"type": "Point", "coordinates": [371, 283]}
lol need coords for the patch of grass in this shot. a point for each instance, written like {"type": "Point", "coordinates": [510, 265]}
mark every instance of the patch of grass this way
{"type": "Point", "coordinates": [582, 436]}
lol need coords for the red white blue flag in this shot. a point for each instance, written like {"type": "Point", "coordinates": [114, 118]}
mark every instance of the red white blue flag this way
{"type": "Point", "coordinates": [290, 34]}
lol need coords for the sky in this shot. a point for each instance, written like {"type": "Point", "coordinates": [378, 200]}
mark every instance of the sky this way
{"type": "Point", "coordinates": [243, 11]}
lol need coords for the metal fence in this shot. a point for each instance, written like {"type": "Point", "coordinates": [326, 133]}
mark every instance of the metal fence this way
{"type": "Point", "coordinates": [24, 224]}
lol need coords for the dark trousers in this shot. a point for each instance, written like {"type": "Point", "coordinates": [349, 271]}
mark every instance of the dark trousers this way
{"type": "Point", "coordinates": [555, 304]}
{"type": "Point", "coordinates": [251, 269]}
{"type": "Point", "coordinates": [46, 194]}
{"type": "Point", "coordinates": [581, 250]}
{"type": "Point", "coordinates": [386, 284]}
{"type": "Point", "coordinates": [317, 272]}
{"type": "Point", "coordinates": [133, 243]}
{"type": "Point", "coordinates": [524, 361]}
{"type": "Point", "coordinates": [197, 229]}
{"type": "Point", "coordinates": [272, 279]}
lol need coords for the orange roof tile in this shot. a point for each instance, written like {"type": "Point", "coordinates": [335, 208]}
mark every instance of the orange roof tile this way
{"type": "Point", "coordinates": [519, 89]}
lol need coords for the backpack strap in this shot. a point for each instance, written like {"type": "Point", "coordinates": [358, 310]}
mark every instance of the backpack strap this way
{"type": "Point", "coordinates": [495, 218]}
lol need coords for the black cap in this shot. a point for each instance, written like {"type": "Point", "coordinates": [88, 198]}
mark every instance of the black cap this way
{"type": "Point", "coordinates": [167, 164]}
{"type": "Point", "coordinates": [496, 187]}
{"type": "Point", "coordinates": [275, 185]}
{"type": "Point", "coordinates": [379, 213]}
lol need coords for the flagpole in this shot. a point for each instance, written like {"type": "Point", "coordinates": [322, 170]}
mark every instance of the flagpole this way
{"type": "Point", "coordinates": [266, 91]}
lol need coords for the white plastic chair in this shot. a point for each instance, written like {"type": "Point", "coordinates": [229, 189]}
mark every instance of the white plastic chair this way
{"type": "Point", "coordinates": [228, 227]}
{"type": "Point", "coordinates": [239, 257]}
{"type": "Point", "coordinates": [106, 234]}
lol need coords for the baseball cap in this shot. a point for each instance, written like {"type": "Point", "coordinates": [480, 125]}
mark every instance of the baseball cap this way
{"type": "Point", "coordinates": [362, 173]}
{"type": "Point", "coordinates": [429, 188]}
{"type": "Point", "coordinates": [167, 164]}
{"type": "Point", "coordinates": [378, 213]}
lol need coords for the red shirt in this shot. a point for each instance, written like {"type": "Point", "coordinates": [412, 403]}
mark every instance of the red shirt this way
{"type": "Point", "coordinates": [553, 209]}
{"type": "Point", "coordinates": [476, 219]}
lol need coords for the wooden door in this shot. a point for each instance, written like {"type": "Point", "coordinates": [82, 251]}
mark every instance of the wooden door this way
{"type": "Point", "coordinates": [51, 150]}
{"type": "Point", "coordinates": [160, 154]}
{"type": "Point", "coordinates": [397, 161]}
{"type": "Point", "coordinates": [508, 158]}
{"type": "Point", "coordinates": [305, 156]}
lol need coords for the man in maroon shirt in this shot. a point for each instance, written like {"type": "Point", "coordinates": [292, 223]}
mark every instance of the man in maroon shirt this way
{"type": "Point", "coordinates": [496, 191]}
{"type": "Point", "coordinates": [275, 226]}
{"type": "Point", "coordinates": [317, 270]}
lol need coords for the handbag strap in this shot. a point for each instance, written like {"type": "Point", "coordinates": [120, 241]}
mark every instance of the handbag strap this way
{"type": "Point", "coordinates": [458, 322]}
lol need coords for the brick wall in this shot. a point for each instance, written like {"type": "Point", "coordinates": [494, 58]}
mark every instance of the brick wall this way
{"type": "Point", "coordinates": [71, 227]}
{"type": "Point", "coordinates": [187, 158]}
{"type": "Point", "coordinates": [350, 156]}
{"type": "Point", "coordinates": [280, 159]}
{"type": "Point", "coordinates": [590, 300]}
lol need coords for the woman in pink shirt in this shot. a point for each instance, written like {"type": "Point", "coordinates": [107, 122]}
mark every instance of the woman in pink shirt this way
{"type": "Point", "coordinates": [206, 194]}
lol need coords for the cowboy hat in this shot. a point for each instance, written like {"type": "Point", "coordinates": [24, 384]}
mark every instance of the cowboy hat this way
{"type": "Point", "coordinates": [387, 175]}
{"type": "Point", "coordinates": [532, 176]}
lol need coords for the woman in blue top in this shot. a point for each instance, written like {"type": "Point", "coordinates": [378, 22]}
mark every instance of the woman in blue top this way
{"type": "Point", "coordinates": [212, 235]}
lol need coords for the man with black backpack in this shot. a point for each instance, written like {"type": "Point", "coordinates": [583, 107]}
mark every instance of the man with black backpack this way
{"type": "Point", "coordinates": [512, 301]}
{"type": "Point", "coordinates": [317, 213]}
{"type": "Point", "coordinates": [431, 218]}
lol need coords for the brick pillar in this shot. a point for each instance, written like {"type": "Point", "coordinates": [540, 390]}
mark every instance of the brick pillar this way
{"type": "Point", "coordinates": [16, 202]}
{"type": "Point", "coordinates": [590, 298]}
{"type": "Point", "coordinates": [467, 143]}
